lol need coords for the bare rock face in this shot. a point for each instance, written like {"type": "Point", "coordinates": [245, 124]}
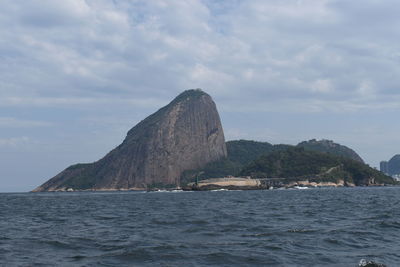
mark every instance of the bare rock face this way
{"type": "Point", "coordinates": [186, 134]}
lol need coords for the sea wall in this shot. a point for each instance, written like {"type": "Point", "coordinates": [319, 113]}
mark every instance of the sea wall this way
{"type": "Point", "coordinates": [254, 184]}
{"type": "Point", "coordinates": [226, 183]}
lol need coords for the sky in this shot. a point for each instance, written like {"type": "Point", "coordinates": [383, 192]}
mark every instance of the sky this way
{"type": "Point", "coordinates": [76, 75]}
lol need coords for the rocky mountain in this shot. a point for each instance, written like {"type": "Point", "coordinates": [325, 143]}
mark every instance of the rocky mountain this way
{"type": "Point", "coordinates": [186, 134]}
{"type": "Point", "coordinates": [328, 146]}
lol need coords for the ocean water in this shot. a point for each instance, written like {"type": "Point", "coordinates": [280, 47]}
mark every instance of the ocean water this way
{"type": "Point", "coordinates": [315, 227]}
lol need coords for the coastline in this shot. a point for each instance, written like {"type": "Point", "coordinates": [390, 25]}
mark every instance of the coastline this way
{"type": "Point", "coordinates": [238, 183]}
{"type": "Point", "coordinates": [228, 183]}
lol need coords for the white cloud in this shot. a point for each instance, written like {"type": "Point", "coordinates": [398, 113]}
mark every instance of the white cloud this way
{"type": "Point", "coordinates": [322, 86]}
{"type": "Point", "coordinates": [85, 49]}
{"type": "Point", "coordinates": [9, 122]}
{"type": "Point", "coordinates": [14, 141]}
{"type": "Point", "coordinates": [366, 89]}
{"type": "Point", "coordinates": [78, 102]}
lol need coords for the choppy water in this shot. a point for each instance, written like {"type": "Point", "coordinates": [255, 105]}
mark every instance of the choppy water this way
{"type": "Point", "coordinates": [316, 227]}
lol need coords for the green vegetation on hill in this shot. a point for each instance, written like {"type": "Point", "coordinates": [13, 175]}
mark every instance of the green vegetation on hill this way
{"type": "Point", "coordinates": [315, 160]}
{"type": "Point", "coordinates": [244, 151]}
{"type": "Point", "coordinates": [328, 146]}
{"type": "Point", "coordinates": [240, 153]}
{"type": "Point", "coordinates": [300, 163]}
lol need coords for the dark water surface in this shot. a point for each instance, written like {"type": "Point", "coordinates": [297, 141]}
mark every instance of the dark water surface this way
{"type": "Point", "coordinates": [315, 227]}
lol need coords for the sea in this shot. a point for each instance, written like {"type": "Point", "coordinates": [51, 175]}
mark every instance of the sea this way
{"type": "Point", "coordinates": [313, 227]}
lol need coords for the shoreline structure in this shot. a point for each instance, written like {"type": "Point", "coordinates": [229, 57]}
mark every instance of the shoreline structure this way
{"type": "Point", "coordinates": [234, 183]}
{"type": "Point", "coordinates": [247, 183]}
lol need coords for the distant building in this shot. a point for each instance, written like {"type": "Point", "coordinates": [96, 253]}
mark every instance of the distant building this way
{"type": "Point", "coordinates": [384, 167]}
{"type": "Point", "coordinates": [396, 177]}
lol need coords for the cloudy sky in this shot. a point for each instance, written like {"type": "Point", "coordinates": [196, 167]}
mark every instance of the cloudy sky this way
{"type": "Point", "coordinates": [76, 75]}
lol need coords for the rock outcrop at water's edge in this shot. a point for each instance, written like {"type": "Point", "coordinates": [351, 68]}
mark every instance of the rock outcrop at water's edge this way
{"type": "Point", "coordinates": [186, 134]}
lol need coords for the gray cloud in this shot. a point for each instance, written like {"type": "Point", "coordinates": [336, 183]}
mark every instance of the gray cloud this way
{"type": "Point", "coordinates": [13, 141]}
{"type": "Point", "coordinates": [17, 123]}
{"type": "Point", "coordinates": [276, 62]}
{"type": "Point", "coordinates": [299, 49]}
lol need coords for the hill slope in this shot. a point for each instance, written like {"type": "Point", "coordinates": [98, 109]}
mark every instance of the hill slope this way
{"type": "Point", "coordinates": [330, 147]}
{"type": "Point", "coordinates": [240, 153]}
{"type": "Point", "coordinates": [298, 163]}
{"type": "Point", "coordinates": [243, 152]}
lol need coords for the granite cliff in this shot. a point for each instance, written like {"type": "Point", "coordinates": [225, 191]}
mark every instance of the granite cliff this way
{"type": "Point", "coordinates": [186, 134]}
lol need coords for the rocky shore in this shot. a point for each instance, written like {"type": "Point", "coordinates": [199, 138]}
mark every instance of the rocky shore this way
{"type": "Point", "coordinates": [232, 183]}
{"type": "Point", "coordinates": [239, 183]}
